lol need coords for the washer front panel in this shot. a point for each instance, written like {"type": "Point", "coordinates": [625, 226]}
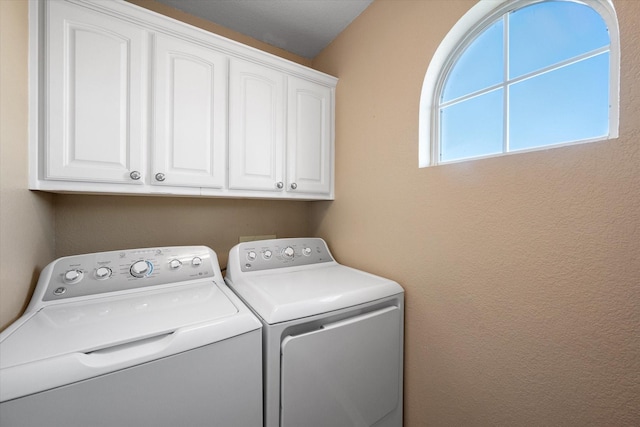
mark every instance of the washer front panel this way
{"type": "Point", "coordinates": [215, 384]}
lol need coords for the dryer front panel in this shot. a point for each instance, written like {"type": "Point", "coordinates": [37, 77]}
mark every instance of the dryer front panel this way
{"type": "Point", "coordinates": [346, 373]}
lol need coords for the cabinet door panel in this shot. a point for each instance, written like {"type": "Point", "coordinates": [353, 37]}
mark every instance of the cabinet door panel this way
{"type": "Point", "coordinates": [309, 150]}
{"type": "Point", "coordinates": [256, 130]}
{"type": "Point", "coordinates": [95, 87]}
{"type": "Point", "coordinates": [190, 114]}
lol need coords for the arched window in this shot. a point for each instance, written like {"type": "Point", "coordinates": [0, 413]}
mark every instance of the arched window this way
{"type": "Point", "coordinates": [518, 75]}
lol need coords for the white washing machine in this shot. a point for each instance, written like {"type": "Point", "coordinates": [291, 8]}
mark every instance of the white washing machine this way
{"type": "Point", "coordinates": [145, 337]}
{"type": "Point", "coordinates": [333, 335]}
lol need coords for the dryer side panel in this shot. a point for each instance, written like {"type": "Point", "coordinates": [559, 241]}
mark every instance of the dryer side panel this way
{"type": "Point", "coordinates": [346, 373]}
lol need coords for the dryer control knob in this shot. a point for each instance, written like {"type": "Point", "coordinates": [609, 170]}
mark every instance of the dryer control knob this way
{"type": "Point", "coordinates": [141, 268]}
{"type": "Point", "coordinates": [288, 252]}
{"type": "Point", "coordinates": [306, 251]}
{"type": "Point", "coordinates": [251, 256]}
{"type": "Point", "coordinates": [196, 261]}
{"type": "Point", "coordinates": [175, 264]}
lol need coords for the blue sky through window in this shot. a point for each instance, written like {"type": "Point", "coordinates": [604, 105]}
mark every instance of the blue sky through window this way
{"type": "Point", "coordinates": [555, 88]}
{"type": "Point", "coordinates": [483, 60]}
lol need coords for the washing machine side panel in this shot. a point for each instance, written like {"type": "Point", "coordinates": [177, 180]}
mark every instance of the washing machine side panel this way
{"type": "Point", "coordinates": [272, 338]}
{"type": "Point", "coordinates": [218, 385]}
{"type": "Point", "coordinates": [346, 373]}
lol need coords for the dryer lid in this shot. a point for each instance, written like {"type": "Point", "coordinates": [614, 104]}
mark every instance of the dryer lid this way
{"type": "Point", "coordinates": [287, 294]}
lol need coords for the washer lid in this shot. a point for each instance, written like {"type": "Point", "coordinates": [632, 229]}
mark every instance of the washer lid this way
{"type": "Point", "coordinates": [86, 326]}
{"type": "Point", "coordinates": [282, 295]}
{"type": "Point", "coordinates": [68, 342]}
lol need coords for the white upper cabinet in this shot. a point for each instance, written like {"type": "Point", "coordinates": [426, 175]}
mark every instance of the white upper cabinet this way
{"type": "Point", "coordinates": [263, 156]}
{"type": "Point", "coordinates": [256, 133]}
{"type": "Point", "coordinates": [127, 101]}
{"type": "Point", "coordinates": [95, 89]}
{"type": "Point", "coordinates": [190, 115]}
{"type": "Point", "coordinates": [309, 136]}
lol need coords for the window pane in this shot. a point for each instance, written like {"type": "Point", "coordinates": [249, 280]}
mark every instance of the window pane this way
{"type": "Point", "coordinates": [479, 66]}
{"type": "Point", "coordinates": [564, 105]}
{"type": "Point", "coordinates": [473, 127]}
{"type": "Point", "coordinates": [546, 33]}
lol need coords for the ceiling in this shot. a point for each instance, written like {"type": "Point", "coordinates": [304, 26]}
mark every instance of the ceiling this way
{"type": "Point", "coordinates": [302, 27]}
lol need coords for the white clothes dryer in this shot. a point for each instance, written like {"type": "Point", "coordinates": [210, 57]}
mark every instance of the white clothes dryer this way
{"type": "Point", "coordinates": [332, 336]}
{"type": "Point", "coordinates": [144, 337]}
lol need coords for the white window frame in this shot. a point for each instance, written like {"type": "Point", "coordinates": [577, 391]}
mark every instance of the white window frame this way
{"type": "Point", "coordinates": [463, 33]}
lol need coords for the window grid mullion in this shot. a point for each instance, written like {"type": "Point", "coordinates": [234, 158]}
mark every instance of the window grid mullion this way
{"type": "Point", "coordinates": [505, 91]}
{"type": "Point", "coordinates": [523, 77]}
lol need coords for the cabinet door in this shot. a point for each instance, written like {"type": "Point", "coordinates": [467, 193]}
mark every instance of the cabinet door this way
{"type": "Point", "coordinates": [256, 127]}
{"type": "Point", "coordinates": [190, 114]}
{"type": "Point", "coordinates": [309, 137]}
{"type": "Point", "coordinates": [95, 85]}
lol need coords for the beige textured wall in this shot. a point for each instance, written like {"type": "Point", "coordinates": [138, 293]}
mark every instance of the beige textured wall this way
{"type": "Point", "coordinates": [26, 219]}
{"type": "Point", "coordinates": [522, 272]}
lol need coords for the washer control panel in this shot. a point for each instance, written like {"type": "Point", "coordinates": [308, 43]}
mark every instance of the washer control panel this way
{"type": "Point", "coordinates": [278, 253]}
{"type": "Point", "coordinates": [104, 272]}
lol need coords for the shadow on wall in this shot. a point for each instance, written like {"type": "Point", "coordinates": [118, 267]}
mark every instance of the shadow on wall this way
{"type": "Point", "coordinates": [87, 224]}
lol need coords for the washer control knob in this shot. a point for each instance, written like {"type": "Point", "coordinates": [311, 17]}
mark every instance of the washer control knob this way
{"type": "Point", "coordinates": [288, 252]}
{"type": "Point", "coordinates": [306, 251]}
{"type": "Point", "coordinates": [141, 268]}
{"type": "Point", "coordinates": [196, 261]}
{"type": "Point", "coordinates": [175, 264]}
{"type": "Point", "coordinates": [72, 276]}
{"type": "Point", "coordinates": [251, 256]}
{"type": "Point", "coordinates": [103, 273]}
{"type": "Point", "coordinates": [267, 254]}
